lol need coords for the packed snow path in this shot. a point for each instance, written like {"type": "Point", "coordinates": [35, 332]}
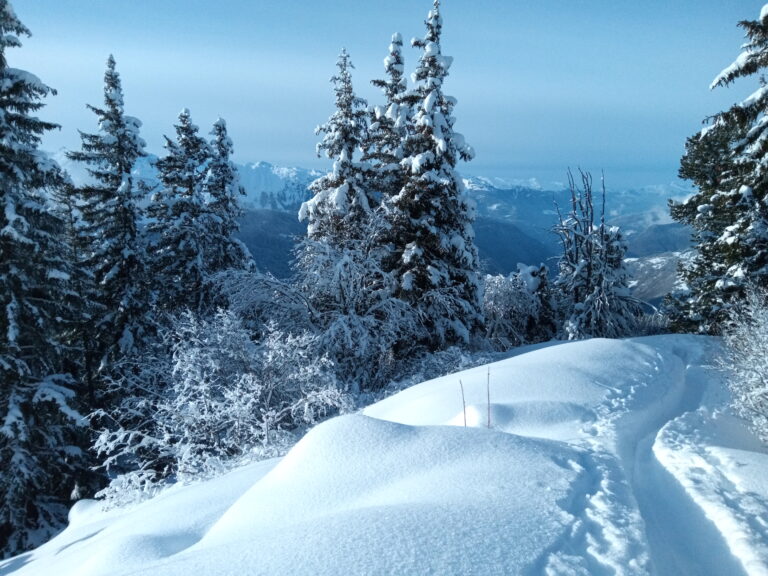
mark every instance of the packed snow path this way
{"type": "Point", "coordinates": [635, 511]}
{"type": "Point", "coordinates": [602, 457]}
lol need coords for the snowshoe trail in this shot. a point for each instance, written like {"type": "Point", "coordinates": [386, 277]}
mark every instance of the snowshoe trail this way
{"type": "Point", "coordinates": [636, 509]}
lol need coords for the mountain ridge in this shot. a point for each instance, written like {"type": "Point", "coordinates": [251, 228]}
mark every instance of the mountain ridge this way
{"type": "Point", "coordinates": [513, 222]}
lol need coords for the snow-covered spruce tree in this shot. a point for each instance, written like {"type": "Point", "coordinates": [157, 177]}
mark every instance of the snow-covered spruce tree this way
{"type": "Point", "coordinates": [709, 163]}
{"type": "Point", "coordinates": [388, 126]}
{"type": "Point", "coordinates": [592, 282]}
{"type": "Point", "coordinates": [728, 162]}
{"type": "Point", "coordinates": [112, 254]}
{"type": "Point", "coordinates": [743, 359]}
{"type": "Point", "coordinates": [191, 242]}
{"type": "Point", "coordinates": [76, 326]}
{"type": "Point", "coordinates": [177, 231]}
{"type": "Point", "coordinates": [339, 264]}
{"type": "Point", "coordinates": [519, 308]}
{"type": "Point", "coordinates": [435, 260]}
{"type": "Point", "coordinates": [341, 200]}
{"type": "Point", "coordinates": [39, 438]}
{"type": "Point", "coordinates": [80, 283]}
{"type": "Point", "coordinates": [221, 189]}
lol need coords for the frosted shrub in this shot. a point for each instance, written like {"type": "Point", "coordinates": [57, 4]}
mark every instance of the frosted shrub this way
{"type": "Point", "coordinates": [258, 298]}
{"type": "Point", "coordinates": [227, 399]}
{"type": "Point", "coordinates": [518, 308]}
{"type": "Point", "coordinates": [361, 326]}
{"type": "Point", "coordinates": [746, 348]}
{"type": "Point", "coordinates": [231, 396]}
{"type": "Point", "coordinates": [652, 323]}
{"type": "Point", "coordinates": [130, 488]}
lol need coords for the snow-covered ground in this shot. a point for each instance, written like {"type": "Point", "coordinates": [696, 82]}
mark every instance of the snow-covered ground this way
{"type": "Point", "coordinates": [602, 457]}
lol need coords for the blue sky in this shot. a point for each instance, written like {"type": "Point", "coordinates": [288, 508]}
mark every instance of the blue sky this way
{"type": "Point", "coordinates": [541, 86]}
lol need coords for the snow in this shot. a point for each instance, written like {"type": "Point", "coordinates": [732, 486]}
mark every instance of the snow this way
{"type": "Point", "coordinates": [602, 457]}
{"type": "Point", "coordinates": [420, 161]}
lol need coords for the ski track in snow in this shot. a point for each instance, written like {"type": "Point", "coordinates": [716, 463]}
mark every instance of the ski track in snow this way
{"type": "Point", "coordinates": [609, 534]}
{"type": "Point", "coordinates": [692, 526]}
{"type": "Point", "coordinates": [605, 458]}
{"type": "Point", "coordinates": [622, 522]}
{"type": "Point", "coordinates": [701, 522]}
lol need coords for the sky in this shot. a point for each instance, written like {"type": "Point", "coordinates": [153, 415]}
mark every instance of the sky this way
{"type": "Point", "coordinates": [541, 86]}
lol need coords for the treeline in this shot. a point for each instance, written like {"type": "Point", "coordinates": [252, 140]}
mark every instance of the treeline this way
{"type": "Point", "coordinates": [138, 343]}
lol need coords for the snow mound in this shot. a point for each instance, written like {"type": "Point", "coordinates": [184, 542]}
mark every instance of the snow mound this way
{"type": "Point", "coordinates": [602, 457]}
{"type": "Point", "coordinates": [363, 496]}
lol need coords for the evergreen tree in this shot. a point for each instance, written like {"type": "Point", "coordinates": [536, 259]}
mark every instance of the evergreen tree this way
{"type": "Point", "coordinates": [39, 435]}
{"type": "Point", "coordinates": [222, 188]}
{"type": "Point", "coordinates": [388, 127]}
{"type": "Point", "coordinates": [592, 280]}
{"type": "Point", "coordinates": [112, 253]}
{"type": "Point", "coordinates": [341, 200]}
{"type": "Point", "coordinates": [339, 264]}
{"type": "Point", "coordinates": [703, 303]}
{"type": "Point", "coordinates": [359, 322]}
{"type": "Point", "coordinates": [177, 231]}
{"type": "Point", "coordinates": [727, 162]}
{"type": "Point", "coordinates": [435, 260]}
{"type": "Point", "coordinates": [78, 331]}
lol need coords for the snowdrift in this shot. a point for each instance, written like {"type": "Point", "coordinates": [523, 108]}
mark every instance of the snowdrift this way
{"type": "Point", "coordinates": [602, 457]}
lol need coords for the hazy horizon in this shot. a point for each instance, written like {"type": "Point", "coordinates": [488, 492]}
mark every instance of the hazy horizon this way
{"type": "Point", "coordinates": [592, 84]}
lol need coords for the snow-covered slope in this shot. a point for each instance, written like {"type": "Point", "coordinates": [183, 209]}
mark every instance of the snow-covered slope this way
{"type": "Point", "coordinates": [602, 457]}
{"type": "Point", "coordinates": [653, 277]}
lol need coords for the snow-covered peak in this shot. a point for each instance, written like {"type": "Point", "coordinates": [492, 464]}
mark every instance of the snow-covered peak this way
{"type": "Point", "coordinates": [496, 183]}
{"type": "Point", "coordinates": [266, 186]}
{"type": "Point", "coordinates": [275, 187]}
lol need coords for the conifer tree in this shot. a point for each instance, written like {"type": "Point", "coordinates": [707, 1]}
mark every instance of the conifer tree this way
{"type": "Point", "coordinates": [388, 126]}
{"type": "Point", "coordinates": [112, 253]}
{"type": "Point", "coordinates": [703, 304]}
{"type": "Point", "coordinates": [436, 262]}
{"type": "Point", "coordinates": [339, 263]}
{"type": "Point", "coordinates": [222, 188]}
{"type": "Point", "coordinates": [39, 435]}
{"type": "Point", "coordinates": [728, 162]}
{"type": "Point", "coordinates": [341, 200]}
{"type": "Point", "coordinates": [77, 335]}
{"type": "Point", "coordinates": [177, 229]}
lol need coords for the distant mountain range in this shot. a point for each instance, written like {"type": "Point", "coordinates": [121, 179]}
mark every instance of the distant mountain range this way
{"type": "Point", "coordinates": [269, 187]}
{"type": "Point", "coordinates": [513, 224]}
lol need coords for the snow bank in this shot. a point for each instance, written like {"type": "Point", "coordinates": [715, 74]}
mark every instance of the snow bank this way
{"type": "Point", "coordinates": [603, 457]}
